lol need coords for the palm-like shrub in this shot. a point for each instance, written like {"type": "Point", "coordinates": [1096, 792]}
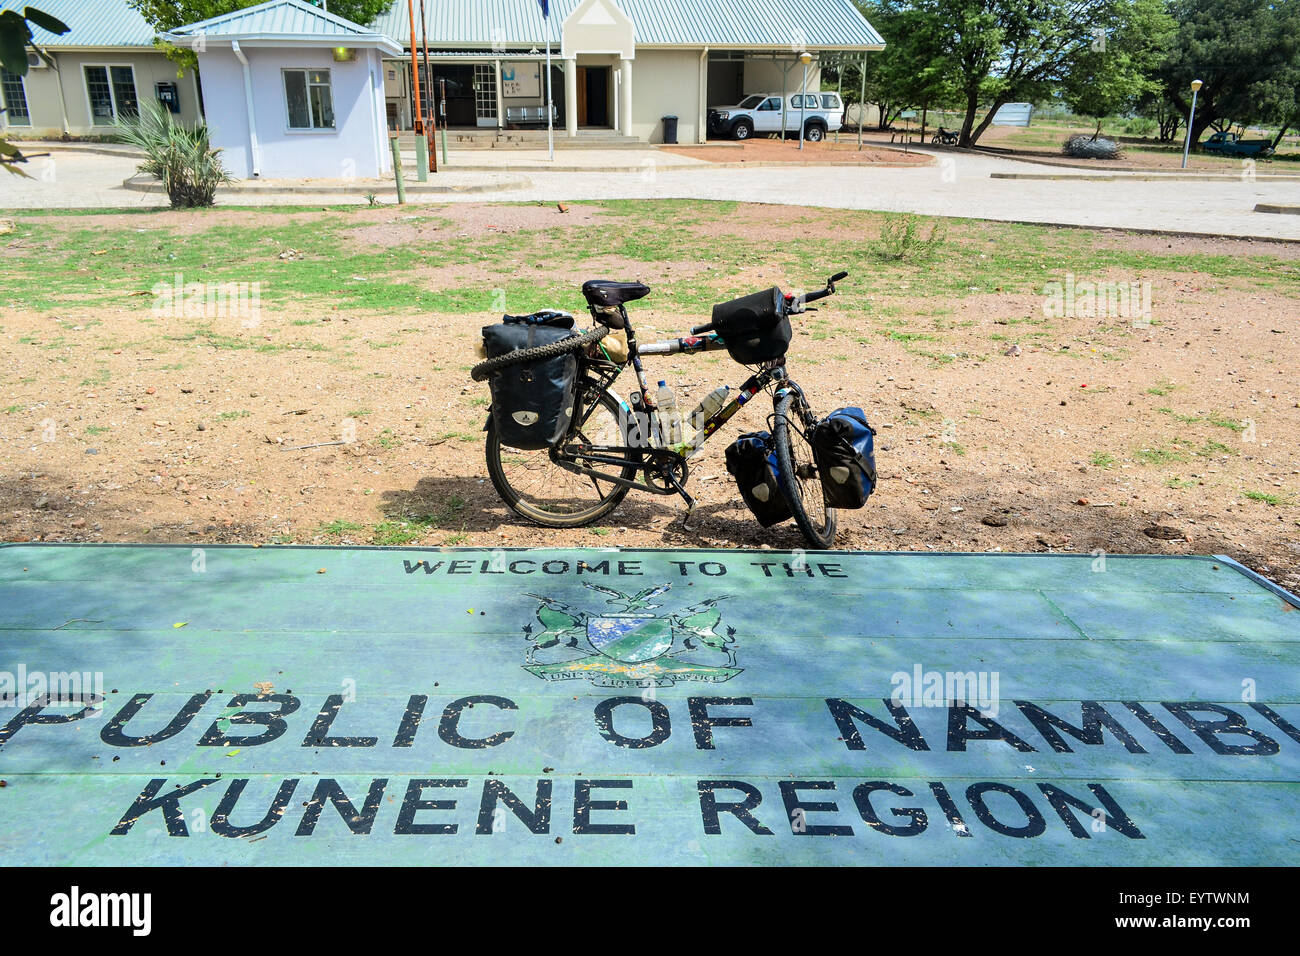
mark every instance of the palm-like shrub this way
{"type": "Point", "coordinates": [180, 157]}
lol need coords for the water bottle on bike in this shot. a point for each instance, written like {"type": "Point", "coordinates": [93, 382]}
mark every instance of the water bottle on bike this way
{"type": "Point", "coordinates": [670, 422]}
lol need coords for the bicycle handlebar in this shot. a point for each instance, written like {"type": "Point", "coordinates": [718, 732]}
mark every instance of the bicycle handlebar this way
{"type": "Point", "coordinates": [790, 300]}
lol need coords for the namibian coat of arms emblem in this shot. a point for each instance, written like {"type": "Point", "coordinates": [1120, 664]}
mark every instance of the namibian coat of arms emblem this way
{"type": "Point", "coordinates": [626, 644]}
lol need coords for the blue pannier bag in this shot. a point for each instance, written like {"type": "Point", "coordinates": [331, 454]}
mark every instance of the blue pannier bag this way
{"type": "Point", "coordinates": [844, 449]}
{"type": "Point", "coordinates": [752, 460]}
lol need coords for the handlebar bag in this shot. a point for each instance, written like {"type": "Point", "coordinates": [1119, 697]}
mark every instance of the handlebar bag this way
{"type": "Point", "coordinates": [532, 404]}
{"type": "Point", "coordinates": [844, 448]}
{"type": "Point", "coordinates": [755, 327]}
{"type": "Point", "coordinates": [751, 459]}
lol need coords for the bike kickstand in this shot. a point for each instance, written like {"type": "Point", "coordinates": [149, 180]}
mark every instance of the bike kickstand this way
{"type": "Point", "coordinates": [690, 502]}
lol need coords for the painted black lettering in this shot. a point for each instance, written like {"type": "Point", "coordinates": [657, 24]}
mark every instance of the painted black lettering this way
{"type": "Point", "coordinates": [583, 806]}
{"type": "Point", "coordinates": [1112, 815]}
{"type": "Point", "coordinates": [960, 716]}
{"type": "Point", "coordinates": [1034, 824]}
{"type": "Point", "coordinates": [448, 727]}
{"type": "Point", "coordinates": [319, 735]}
{"type": "Point", "coordinates": [112, 732]}
{"type": "Point", "coordinates": [743, 810]}
{"type": "Point", "coordinates": [1212, 731]}
{"type": "Point", "coordinates": [848, 716]}
{"type": "Point", "coordinates": [411, 718]}
{"type": "Point", "coordinates": [660, 724]}
{"type": "Point", "coordinates": [862, 797]}
{"type": "Point", "coordinates": [537, 819]}
{"type": "Point", "coordinates": [414, 802]}
{"type": "Point", "coordinates": [169, 805]}
{"type": "Point", "coordinates": [221, 824]}
{"type": "Point", "coordinates": [359, 822]}
{"type": "Point", "coordinates": [796, 810]}
{"type": "Point", "coordinates": [703, 723]}
{"type": "Point", "coordinates": [34, 714]}
{"type": "Point", "coordinates": [1095, 719]}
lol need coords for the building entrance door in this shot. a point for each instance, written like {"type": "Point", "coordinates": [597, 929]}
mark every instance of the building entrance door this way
{"type": "Point", "coordinates": [593, 96]}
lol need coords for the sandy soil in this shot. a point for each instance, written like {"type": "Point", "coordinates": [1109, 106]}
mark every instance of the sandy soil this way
{"type": "Point", "coordinates": [1030, 441]}
{"type": "Point", "coordinates": [765, 149]}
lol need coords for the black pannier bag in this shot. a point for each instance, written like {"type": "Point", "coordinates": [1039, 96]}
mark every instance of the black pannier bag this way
{"type": "Point", "coordinates": [751, 459]}
{"type": "Point", "coordinates": [755, 328]}
{"type": "Point", "coordinates": [844, 448]}
{"type": "Point", "coordinates": [532, 404]}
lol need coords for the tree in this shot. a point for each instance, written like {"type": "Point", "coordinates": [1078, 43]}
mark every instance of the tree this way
{"type": "Point", "coordinates": [1116, 71]}
{"type": "Point", "coordinates": [1245, 53]}
{"type": "Point", "coordinates": [165, 15]}
{"type": "Point", "coordinates": [15, 38]}
{"type": "Point", "coordinates": [912, 70]}
{"type": "Point", "coordinates": [1013, 50]}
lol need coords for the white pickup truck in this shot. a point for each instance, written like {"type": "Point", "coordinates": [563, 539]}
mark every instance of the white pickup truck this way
{"type": "Point", "coordinates": [820, 113]}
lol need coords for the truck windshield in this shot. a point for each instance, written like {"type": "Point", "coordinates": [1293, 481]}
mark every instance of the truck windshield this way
{"type": "Point", "coordinates": [750, 102]}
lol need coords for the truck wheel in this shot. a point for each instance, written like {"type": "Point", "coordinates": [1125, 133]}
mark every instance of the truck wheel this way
{"type": "Point", "coordinates": [742, 129]}
{"type": "Point", "coordinates": [814, 133]}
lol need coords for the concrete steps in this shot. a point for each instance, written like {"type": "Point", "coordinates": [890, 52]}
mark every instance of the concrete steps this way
{"type": "Point", "coordinates": [527, 139]}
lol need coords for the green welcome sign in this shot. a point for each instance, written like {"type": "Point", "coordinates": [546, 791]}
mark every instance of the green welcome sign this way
{"type": "Point", "coordinates": [240, 705]}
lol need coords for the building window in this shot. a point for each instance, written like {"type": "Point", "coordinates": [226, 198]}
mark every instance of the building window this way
{"type": "Point", "coordinates": [111, 91]}
{"type": "Point", "coordinates": [311, 104]}
{"type": "Point", "coordinates": [13, 97]}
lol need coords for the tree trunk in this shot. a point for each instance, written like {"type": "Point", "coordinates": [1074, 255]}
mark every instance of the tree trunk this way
{"type": "Point", "coordinates": [968, 122]}
{"type": "Point", "coordinates": [1286, 125]}
{"type": "Point", "coordinates": [986, 122]}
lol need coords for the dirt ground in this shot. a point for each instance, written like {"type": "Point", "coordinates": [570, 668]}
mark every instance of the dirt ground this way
{"type": "Point", "coordinates": [117, 424]}
{"type": "Point", "coordinates": [767, 149]}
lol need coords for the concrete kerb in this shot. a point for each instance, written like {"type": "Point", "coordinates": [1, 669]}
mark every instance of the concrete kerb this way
{"type": "Point", "coordinates": [147, 184]}
{"type": "Point", "coordinates": [1283, 209]}
{"type": "Point", "coordinates": [1150, 177]}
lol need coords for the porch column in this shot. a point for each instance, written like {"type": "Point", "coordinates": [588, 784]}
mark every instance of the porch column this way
{"type": "Point", "coordinates": [625, 93]}
{"type": "Point", "coordinates": [571, 97]}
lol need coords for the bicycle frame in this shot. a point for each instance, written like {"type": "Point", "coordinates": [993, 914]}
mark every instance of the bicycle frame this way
{"type": "Point", "coordinates": [660, 463]}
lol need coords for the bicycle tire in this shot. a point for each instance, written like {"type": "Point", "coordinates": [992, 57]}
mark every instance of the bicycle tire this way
{"type": "Point", "coordinates": [519, 503]}
{"type": "Point", "coordinates": [822, 538]}
{"type": "Point", "coordinates": [484, 369]}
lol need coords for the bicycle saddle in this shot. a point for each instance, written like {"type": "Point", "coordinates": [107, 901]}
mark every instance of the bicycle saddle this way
{"type": "Point", "coordinates": [605, 292]}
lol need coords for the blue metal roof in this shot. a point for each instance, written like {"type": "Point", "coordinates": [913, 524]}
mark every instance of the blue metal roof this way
{"type": "Point", "coordinates": [509, 24]}
{"type": "Point", "coordinates": [92, 23]}
{"type": "Point", "coordinates": [752, 24]}
{"type": "Point", "coordinates": [292, 20]}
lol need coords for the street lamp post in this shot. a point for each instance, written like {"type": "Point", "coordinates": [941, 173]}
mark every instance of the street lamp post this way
{"type": "Point", "coordinates": [805, 58]}
{"type": "Point", "coordinates": [1191, 116]}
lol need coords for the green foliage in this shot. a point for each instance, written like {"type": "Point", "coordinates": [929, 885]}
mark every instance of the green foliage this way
{"type": "Point", "coordinates": [1246, 53]}
{"type": "Point", "coordinates": [181, 158]}
{"type": "Point", "coordinates": [1113, 72]}
{"type": "Point", "coordinates": [15, 38]}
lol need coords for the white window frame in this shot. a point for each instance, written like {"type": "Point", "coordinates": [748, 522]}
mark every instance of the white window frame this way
{"type": "Point", "coordinates": [5, 118]}
{"type": "Point", "coordinates": [112, 93]}
{"type": "Point", "coordinates": [308, 130]}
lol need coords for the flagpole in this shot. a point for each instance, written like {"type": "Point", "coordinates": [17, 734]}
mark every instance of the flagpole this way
{"type": "Point", "coordinates": [550, 102]}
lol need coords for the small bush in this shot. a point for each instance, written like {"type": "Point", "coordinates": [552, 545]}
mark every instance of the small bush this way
{"type": "Point", "coordinates": [1140, 126]}
{"type": "Point", "coordinates": [1083, 146]}
{"type": "Point", "coordinates": [901, 238]}
{"type": "Point", "coordinates": [181, 158]}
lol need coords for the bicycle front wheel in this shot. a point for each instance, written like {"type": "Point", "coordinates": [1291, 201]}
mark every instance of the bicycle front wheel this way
{"type": "Point", "coordinates": [799, 478]}
{"type": "Point", "coordinates": [537, 488]}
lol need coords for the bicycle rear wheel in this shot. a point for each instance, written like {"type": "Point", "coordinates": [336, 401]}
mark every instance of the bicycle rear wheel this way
{"type": "Point", "coordinates": [799, 478]}
{"type": "Point", "coordinates": [537, 488]}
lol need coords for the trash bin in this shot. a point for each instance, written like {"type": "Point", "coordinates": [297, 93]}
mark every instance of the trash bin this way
{"type": "Point", "coordinates": [670, 130]}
